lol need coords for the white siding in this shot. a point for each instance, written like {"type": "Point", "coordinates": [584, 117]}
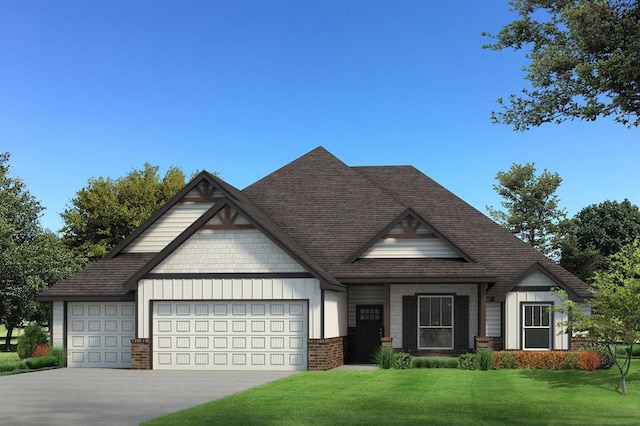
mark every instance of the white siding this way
{"type": "Point", "coordinates": [229, 289]}
{"type": "Point", "coordinates": [228, 251]}
{"type": "Point", "coordinates": [335, 314]}
{"type": "Point", "coordinates": [410, 248]}
{"type": "Point", "coordinates": [513, 310]}
{"type": "Point", "coordinates": [167, 227]}
{"type": "Point", "coordinates": [536, 279]}
{"type": "Point", "coordinates": [363, 295]}
{"type": "Point", "coordinates": [57, 325]}
{"type": "Point", "coordinates": [494, 324]}
{"type": "Point", "coordinates": [397, 291]}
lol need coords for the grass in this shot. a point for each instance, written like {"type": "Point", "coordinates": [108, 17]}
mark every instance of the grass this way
{"type": "Point", "coordinates": [440, 396]}
{"type": "Point", "coordinates": [8, 356]}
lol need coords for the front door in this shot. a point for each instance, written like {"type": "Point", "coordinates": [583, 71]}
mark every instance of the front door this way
{"type": "Point", "coordinates": [369, 330]}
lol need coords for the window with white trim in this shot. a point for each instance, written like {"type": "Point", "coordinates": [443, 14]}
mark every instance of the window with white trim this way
{"type": "Point", "coordinates": [435, 322]}
{"type": "Point", "coordinates": [536, 326]}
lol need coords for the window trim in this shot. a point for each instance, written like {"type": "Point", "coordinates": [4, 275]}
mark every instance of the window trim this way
{"type": "Point", "coordinates": [419, 297]}
{"type": "Point", "coordinates": [550, 327]}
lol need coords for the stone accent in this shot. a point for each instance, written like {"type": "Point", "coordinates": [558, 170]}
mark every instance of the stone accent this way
{"type": "Point", "coordinates": [387, 342]}
{"type": "Point", "coordinates": [493, 343]}
{"type": "Point", "coordinates": [140, 354]}
{"type": "Point", "coordinates": [578, 343]}
{"type": "Point", "coordinates": [325, 354]}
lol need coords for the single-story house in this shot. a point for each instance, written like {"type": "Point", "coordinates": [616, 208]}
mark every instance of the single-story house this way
{"type": "Point", "coordinates": [312, 266]}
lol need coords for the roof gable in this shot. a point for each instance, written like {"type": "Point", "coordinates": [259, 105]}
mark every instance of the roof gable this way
{"type": "Point", "coordinates": [537, 267]}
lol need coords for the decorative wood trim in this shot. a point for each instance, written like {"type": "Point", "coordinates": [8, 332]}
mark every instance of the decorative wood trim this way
{"type": "Point", "coordinates": [386, 314]}
{"type": "Point", "coordinates": [227, 218]}
{"type": "Point", "coordinates": [482, 310]}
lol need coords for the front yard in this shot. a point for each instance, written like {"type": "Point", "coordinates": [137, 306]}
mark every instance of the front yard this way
{"type": "Point", "coordinates": [430, 396]}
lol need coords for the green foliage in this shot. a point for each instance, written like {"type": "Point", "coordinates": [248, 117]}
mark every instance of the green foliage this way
{"type": "Point", "coordinates": [583, 61]}
{"type": "Point", "coordinates": [385, 358]}
{"type": "Point", "coordinates": [33, 336]}
{"type": "Point", "coordinates": [403, 360]}
{"type": "Point", "coordinates": [467, 361]}
{"type": "Point", "coordinates": [505, 360]}
{"type": "Point", "coordinates": [434, 362]}
{"type": "Point", "coordinates": [41, 362]}
{"type": "Point", "coordinates": [484, 359]}
{"type": "Point", "coordinates": [530, 205]}
{"type": "Point", "coordinates": [6, 366]}
{"type": "Point", "coordinates": [107, 210]}
{"type": "Point", "coordinates": [60, 355]}
{"type": "Point", "coordinates": [606, 356]}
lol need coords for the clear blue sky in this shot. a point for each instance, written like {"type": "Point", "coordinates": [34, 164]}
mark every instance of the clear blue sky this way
{"type": "Point", "coordinates": [98, 88]}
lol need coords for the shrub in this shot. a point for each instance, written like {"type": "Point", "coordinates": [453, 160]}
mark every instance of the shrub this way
{"type": "Point", "coordinates": [570, 361]}
{"type": "Point", "coordinates": [33, 336]}
{"type": "Point", "coordinates": [60, 355]}
{"type": "Point", "coordinates": [42, 349]}
{"type": "Point", "coordinates": [42, 362]}
{"type": "Point", "coordinates": [402, 361]}
{"type": "Point", "coordinates": [467, 361]}
{"type": "Point", "coordinates": [588, 360]}
{"type": "Point", "coordinates": [545, 360]}
{"type": "Point", "coordinates": [635, 352]}
{"type": "Point", "coordinates": [12, 366]}
{"type": "Point", "coordinates": [504, 360]}
{"type": "Point", "coordinates": [435, 362]}
{"type": "Point", "coordinates": [484, 359]}
{"type": "Point", "coordinates": [385, 357]}
{"type": "Point", "coordinates": [606, 357]}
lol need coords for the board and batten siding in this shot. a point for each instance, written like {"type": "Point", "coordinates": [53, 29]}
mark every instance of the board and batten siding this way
{"type": "Point", "coordinates": [167, 227]}
{"type": "Point", "coordinates": [494, 323]}
{"type": "Point", "coordinates": [398, 291]}
{"type": "Point", "coordinates": [229, 289]}
{"type": "Point", "coordinates": [363, 295]}
{"type": "Point", "coordinates": [335, 314]}
{"type": "Point", "coordinates": [228, 251]}
{"type": "Point", "coordinates": [57, 323]}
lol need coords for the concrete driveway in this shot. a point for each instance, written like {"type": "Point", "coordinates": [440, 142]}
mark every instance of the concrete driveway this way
{"type": "Point", "coordinates": [100, 396]}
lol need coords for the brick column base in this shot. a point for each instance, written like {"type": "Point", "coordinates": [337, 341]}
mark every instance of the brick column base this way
{"type": "Point", "coordinates": [140, 354]}
{"type": "Point", "coordinates": [578, 343]}
{"type": "Point", "coordinates": [386, 342]}
{"type": "Point", "coordinates": [325, 354]}
{"type": "Point", "coordinates": [493, 343]}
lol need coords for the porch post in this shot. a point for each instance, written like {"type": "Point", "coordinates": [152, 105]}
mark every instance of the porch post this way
{"type": "Point", "coordinates": [387, 310]}
{"type": "Point", "coordinates": [482, 310]}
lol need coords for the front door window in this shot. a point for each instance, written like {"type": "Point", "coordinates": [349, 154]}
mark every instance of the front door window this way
{"type": "Point", "coordinates": [536, 327]}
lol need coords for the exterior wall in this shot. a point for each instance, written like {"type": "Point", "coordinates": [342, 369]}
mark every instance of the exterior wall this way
{"type": "Point", "coordinates": [168, 227]}
{"type": "Point", "coordinates": [228, 251]}
{"type": "Point", "coordinates": [363, 295]}
{"type": "Point", "coordinates": [335, 314]}
{"type": "Point", "coordinates": [229, 289]}
{"type": "Point", "coordinates": [399, 290]}
{"type": "Point", "coordinates": [57, 325]}
{"type": "Point", "coordinates": [494, 322]}
{"type": "Point", "coordinates": [513, 317]}
{"type": "Point", "coordinates": [325, 354]}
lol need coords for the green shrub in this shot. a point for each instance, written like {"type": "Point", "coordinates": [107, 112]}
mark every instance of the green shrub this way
{"type": "Point", "coordinates": [467, 361]}
{"type": "Point", "coordinates": [484, 359]}
{"type": "Point", "coordinates": [61, 356]}
{"type": "Point", "coordinates": [33, 336]}
{"type": "Point", "coordinates": [606, 357]}
{"type": "Point", "coordinates": [402, 360]}
{"type": "Point", "coordinates": [12, 366]}
{"type": "Point", "coordinates": [635, 352]}
{"type": "Point", "coordinates": [505, 359]}
{"type": "Point", "coordinates": [41, 362]}
{"type": "Point", "coordinates": [435, 362]}
{"type": "Point", "coordinates": [571, 360]}
{"type": "Point", "coordinates": [385, 357]}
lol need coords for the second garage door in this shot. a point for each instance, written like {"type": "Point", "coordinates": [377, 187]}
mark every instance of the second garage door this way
{"type": "Point", "coordinates": [221, 335]}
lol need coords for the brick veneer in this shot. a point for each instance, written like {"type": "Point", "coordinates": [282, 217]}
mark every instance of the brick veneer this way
{"type": "Point", "coordinates": [325, 354]}
{"type": "Point", "coordinates": [140, 354]}
{"type": "Point", "coordinates": [578, 342]}
{"type": "Point", "coordinates": [493, 343]}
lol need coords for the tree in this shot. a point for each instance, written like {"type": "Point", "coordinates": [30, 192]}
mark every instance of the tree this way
{"type": "Point", "coordinates": [531, 205]}
{"type": "Point", "coordinates": [598, 231]}
{"type": "Point", "coordinates": [584, 61]}
{"type": "Point", "coordinates": [615, 308]}
{"type": "Point", "coordinates": [107, 210]}
{"type": "Point", "coordinates": [30, 257]}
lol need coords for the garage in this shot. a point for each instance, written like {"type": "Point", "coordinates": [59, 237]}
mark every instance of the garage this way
{"type": "Point", "coordinates": [230, 335]}
{"type": "Point", "coordinates": [99, 334]}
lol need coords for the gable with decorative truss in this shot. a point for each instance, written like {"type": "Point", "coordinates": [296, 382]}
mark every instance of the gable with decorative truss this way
{"type": "Point", "coordinates": [410, 238]}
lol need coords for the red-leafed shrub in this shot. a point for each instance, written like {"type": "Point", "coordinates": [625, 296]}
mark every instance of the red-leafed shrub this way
{"type": "Point", "coordinates": [41, 350]}
{"type": "Point", "coordinates": [543, 360]}
{"type": "Point", "coordinates": [588, 360]}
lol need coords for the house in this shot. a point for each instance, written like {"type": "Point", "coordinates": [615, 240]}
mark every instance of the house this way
{"type": "Point", "coordinates": [314, 265]}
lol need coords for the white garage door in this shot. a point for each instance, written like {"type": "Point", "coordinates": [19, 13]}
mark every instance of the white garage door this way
{"type": "Point", "coordinates": [99, 334]}
{"type": "Point", "coordinates": [258, 335]}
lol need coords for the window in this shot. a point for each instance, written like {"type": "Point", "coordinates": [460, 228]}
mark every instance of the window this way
{"type": "Point", "coordinates": [536, 327]}
{"type": "Point", "coordinates": [435, 322]}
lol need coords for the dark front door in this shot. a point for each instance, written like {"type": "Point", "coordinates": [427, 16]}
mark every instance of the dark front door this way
{"type": "Point", "coordinates": [369, 330]}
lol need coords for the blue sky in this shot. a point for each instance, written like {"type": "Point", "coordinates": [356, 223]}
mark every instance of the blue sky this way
{"type": "Point", "coordinates": [98, 88]}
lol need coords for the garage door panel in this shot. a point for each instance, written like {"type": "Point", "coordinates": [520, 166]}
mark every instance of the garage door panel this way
{"type": "Point", "coordinates": [99, 334]}
{"type": "Point", "coordinates": [230, 335]}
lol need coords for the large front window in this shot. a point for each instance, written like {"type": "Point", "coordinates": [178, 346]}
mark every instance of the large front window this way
{"type": "Point", "coordinates": [435, 322]}
{"type": "Point", "coordinates": [536, 327]}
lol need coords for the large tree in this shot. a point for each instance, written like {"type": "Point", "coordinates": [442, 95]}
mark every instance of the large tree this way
{"type": "Point", "coordinates": [107, 210]}
{"type": "Point", "coordinates": [598, 231]}
{"type": "Point", "coordinates": [615, 308]}
{"type": "Point", "coordinates": [583, 61]}
{"type": "Point", "coordinates": [30, 258]}
{"type": "Point", "coordinates": [531, 209]}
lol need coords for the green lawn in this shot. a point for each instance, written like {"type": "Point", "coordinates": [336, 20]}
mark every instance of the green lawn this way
{"type": "Point", "coordinates": [429, 396]}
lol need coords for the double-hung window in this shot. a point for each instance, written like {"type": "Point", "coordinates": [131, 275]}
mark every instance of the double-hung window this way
{"type": "Point", "coordinates": [536, 326]}
{"type": "Point", "coordinates": [435, 322]}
